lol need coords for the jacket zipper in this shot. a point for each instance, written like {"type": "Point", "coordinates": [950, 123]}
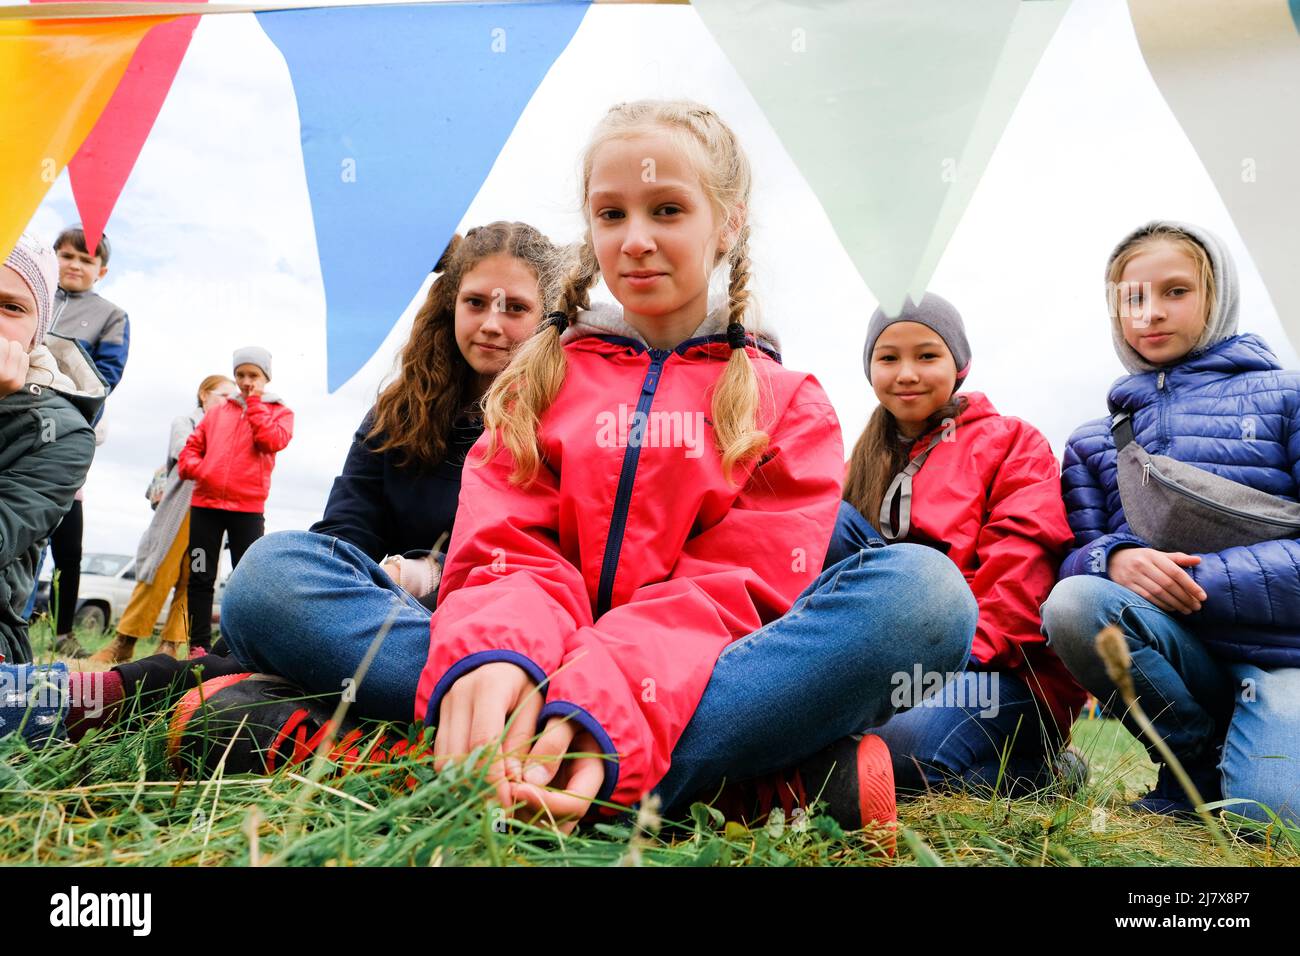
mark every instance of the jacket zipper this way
{"type": "Point", "coordinates": [1148, 471]}
{"type": "Point", "coordinates": [626, 478]}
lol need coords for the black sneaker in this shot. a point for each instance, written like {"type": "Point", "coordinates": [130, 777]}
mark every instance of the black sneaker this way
{"type": "Point", "coordinates": [272, 723]}
{"type": "Point", "coordinates": [1170, 799]}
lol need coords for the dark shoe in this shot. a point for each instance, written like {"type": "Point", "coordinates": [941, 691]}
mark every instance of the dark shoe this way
{"type": "Point", "coordinates": [1071, 769]}
{"type": "Point", "coordinates": [853, 780]}
{"type": "Point", "coordinates": [1170, 799]}
{"type": "Point", "coordinates": [67, 646]}
{"type": "Point", "coordinates": [258, 722]}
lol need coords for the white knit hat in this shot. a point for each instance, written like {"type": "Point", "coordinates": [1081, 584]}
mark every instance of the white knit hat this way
{"type": "Point", "coordinates": [39, 268]}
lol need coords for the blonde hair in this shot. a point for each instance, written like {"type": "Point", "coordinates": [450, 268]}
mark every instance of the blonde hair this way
{"type": "Point", "coordinates": [1160, 232]}
{"type": "Point", "coordinates": [210, 384]}
{"type": "Point", "coordinates": [522, 393]}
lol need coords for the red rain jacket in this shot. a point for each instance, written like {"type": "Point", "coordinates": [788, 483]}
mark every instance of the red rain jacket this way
{"type": "Point", "coordinates": [993, 496]}
{"type": "Point", "coordinates": [622, 573]}
{"type": "Point", "coordinates": [230, 455]}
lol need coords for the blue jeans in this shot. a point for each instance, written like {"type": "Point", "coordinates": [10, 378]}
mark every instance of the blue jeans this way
{"type": "Point", "coordinates": [307, 606]}
{"type": "Point", "coordinates": [958, 738]}
{"type": "Point", "coordinates": [1197, 703]}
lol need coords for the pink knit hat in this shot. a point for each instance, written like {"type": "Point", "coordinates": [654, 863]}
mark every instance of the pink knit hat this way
{"type": "Point", "coordinates": [39, 268]}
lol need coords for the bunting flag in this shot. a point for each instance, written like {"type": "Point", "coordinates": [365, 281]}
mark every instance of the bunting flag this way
{"type": "Point", "coordinates": [56, 77]}
{"type": "Point", "coordinates": [403, 112]}
{"type": "Point", "coordinates": [890, 109]}
{"type": "Point", "coordinates": [1231, 75]}
{"type": "Point", "coordinates": [102, 165]}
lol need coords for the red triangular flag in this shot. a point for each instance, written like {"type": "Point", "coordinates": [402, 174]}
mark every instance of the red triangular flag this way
{"type": "Point", "coordinates": [100, 168]}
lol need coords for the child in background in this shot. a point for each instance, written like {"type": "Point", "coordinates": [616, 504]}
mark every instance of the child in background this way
{"type": "Point", "coordinates": [1215, 637]}
{"type": "Point", "coordinates": [229, 457]}
{"type": "Point", "coordinates": [934, 467]}
{"type": "Point", "coordinates": [641, 576]}
{"type": "Point", "coordinates": [49, 394]}
{"type": "Point", "coordinates": [103, 329]}
{"type": "Point", "coordinates": [161, 562]}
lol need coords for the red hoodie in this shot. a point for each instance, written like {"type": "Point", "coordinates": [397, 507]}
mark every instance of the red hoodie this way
{"type": "Point", "coordinates": [620, 575]}
{"type": "Point", "coordinates": [992, 495]}
{"type": "Point", "coordinates": [230, 455]}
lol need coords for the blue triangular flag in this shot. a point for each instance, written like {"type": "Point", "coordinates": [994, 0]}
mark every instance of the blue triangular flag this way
{"type": "Point", "coordinates": [403, 111]}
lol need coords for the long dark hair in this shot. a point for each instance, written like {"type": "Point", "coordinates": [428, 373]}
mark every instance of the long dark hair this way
{"type": "Point", "coordinates": [879, 455]}
{"type": "Point", "coordinates": [415, 412]}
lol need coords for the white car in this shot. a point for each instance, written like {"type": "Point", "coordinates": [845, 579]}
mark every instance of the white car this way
{"type": "Point", "coordinates": [107, 581]}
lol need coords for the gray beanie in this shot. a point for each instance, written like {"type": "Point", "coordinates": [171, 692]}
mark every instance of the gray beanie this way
{"type": "Point", "coordinates": [254, 355]}
{"type": "Point", "coordinates": [935, 313]}
{"type": "Point", "coordinates": [1223, 322]}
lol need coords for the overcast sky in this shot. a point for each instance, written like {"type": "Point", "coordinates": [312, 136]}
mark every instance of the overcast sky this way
{"type": "Point", "coordinates": [213, 245]}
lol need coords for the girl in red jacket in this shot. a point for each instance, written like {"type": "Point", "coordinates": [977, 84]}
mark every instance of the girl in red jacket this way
{"type": "Point", "coordinates": [652, 494]}
{"type": "Point", "coordinates": [229, 458]}
{"type": "Point", "coordinates": [948, 471]}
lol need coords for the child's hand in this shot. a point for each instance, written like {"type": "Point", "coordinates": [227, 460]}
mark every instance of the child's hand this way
{"type": "Point", "coordinates": [14, 363]}
{"type": "Point", "coordinates": [1159, 577]}
{"type": "Point", "coordinates": [474, 713]}
{"type": "Point", "coordinates": [580, 774]}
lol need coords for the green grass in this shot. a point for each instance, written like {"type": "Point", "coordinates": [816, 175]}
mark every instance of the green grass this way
{"type": "Point", "coordinates": [113, 799]}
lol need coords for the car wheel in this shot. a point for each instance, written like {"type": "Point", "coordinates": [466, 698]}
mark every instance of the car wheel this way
{"type": "Point", "coordinates": [91, 617]}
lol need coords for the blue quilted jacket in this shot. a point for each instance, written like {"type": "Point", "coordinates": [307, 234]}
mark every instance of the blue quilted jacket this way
{"type": "Point", "coordinates": [1231, 410]}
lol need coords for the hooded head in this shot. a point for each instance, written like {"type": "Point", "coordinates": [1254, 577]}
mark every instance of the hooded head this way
{"type": "Point", "coordinates": [1219, 286]}
{"type": "Point", "coordinates": [38, 267]}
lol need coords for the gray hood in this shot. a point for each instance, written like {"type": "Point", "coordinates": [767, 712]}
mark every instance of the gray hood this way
{"type": "Point", "coordinates": [606, 318]}
{"type": "Point", "coordinates": [1223, 322]}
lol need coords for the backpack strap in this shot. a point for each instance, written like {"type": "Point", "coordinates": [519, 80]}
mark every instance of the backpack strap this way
{"type": "Point", "coordinates": [901, 489]}
{"type": "Point", "coordinates": [1121, 429]}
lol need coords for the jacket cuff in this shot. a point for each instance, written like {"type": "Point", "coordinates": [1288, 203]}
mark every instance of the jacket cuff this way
{"type": "Point", "coordinates": [478, 659]}
{"type": "Point", "coordinates": [570, 711]}
{"type": "Point", "coordinates": [1094, 558]}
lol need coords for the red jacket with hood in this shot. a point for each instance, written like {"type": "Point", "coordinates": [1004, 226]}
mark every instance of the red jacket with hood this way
{"type": "Point", "coordinates": [230, 455]}
{"type": "Point", "coordinates": [621, 573]}
{"type": "Point", "coordinates": [992, 496]}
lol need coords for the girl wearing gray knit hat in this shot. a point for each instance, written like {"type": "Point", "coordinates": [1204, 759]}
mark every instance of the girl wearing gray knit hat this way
{"type": "Point", "coordinates": [945, 470]}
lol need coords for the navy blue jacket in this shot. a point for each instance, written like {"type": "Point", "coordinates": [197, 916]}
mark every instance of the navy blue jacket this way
{"type": "Point", "coordinates": [1234, 411]}
{"type": "Point", "coordinates": [385, 508]}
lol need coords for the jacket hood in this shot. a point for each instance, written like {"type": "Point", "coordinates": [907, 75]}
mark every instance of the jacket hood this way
{"type": "Point", "coordinates": [1222, 324]}
{"type": "Point", "coordinates": [1234, 356]}
{"type": "Point", "coordinates": [63, 366]}
{"type": "Point", "coordinates": [606, 318]}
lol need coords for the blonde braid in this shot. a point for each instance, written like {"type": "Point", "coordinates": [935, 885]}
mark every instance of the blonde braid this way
{"type": "Point", "coordinates": [528, 385]}
{"type": "Point", "coordinates": [736, 396]}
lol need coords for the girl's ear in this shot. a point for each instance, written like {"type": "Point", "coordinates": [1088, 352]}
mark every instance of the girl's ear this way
{"type": "Point", "coordinates": [731, 230]}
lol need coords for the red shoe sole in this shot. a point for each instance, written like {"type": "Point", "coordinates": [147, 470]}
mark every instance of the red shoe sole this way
{"type": "Point", "coordinates": [876, 800]}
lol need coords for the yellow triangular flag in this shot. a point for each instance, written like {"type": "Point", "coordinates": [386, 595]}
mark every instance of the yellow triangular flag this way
{"type": "Point", "coordinates": [56, 76]}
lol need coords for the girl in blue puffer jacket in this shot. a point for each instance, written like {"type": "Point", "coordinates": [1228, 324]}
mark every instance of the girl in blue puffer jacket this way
{"type": "Point", "coordinates": [1215, 638]}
